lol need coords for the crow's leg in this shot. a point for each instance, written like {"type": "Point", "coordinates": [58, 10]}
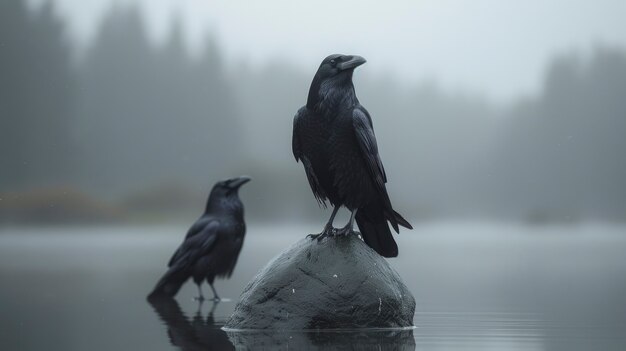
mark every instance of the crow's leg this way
{"type": "Point", "coordinates": [215, 303]}
{"type": "Point", "coordinates": [349, 228]}
{"type": "Point", "coordinates": [200, 296]}
{"type": "Point", "coordinates": [199, 310]}
{"type": "Point", "coordinates": [328, 228]}
{"type": "Point", "coordinates": [215, 296]}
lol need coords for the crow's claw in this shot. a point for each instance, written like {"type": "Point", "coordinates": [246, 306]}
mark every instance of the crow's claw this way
{"type": "Point", "coordinates": [326, 233]}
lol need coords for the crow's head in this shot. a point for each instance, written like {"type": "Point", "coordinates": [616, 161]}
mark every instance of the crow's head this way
{"type": "Point", "coordinates": [335, 71]}
{"type": "Point", "coordinates": [229, 186]}
{"type": "Point", "coordinates": [339, 66]}
{"type": "Point", "coordinates": [224, 196]}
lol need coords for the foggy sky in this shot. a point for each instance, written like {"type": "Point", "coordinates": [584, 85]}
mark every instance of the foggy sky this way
{"type": "Point", "coordinates": [461, 47]}
{"type": "Point", "coordinates": [139, 125]}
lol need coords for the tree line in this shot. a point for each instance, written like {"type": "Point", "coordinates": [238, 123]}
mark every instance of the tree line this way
{"type": "Point", "coordinates": [139, 123]}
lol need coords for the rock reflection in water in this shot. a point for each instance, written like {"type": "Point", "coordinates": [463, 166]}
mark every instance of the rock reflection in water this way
{"type": "Point", "coordinates": [391, 340]}
{"type": "Point", "coordinates": [202, 333]}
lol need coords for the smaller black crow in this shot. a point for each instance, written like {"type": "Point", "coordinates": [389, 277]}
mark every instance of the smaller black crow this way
{"type": "Point", "coordinates": [212, 244]}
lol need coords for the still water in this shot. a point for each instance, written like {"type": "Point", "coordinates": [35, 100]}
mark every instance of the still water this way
{"type": "Point", "coordinates": [478, 286]}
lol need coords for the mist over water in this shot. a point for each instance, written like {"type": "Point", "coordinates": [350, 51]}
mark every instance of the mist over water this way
{"type": "Point", "coordinates": [476, 285]}
{"type": "Point", "coordinates": [109, 147]}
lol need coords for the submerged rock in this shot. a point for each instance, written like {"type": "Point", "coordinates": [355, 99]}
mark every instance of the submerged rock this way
{"type": "Point", "coordinates": [338, 282]}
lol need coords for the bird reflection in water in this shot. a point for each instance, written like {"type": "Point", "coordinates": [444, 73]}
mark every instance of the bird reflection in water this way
{"type": "Point", "coordinates": [198, 333]}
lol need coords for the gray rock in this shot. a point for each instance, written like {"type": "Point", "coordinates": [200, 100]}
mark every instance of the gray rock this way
{"type": "Point", "coordinates": [338, 282]}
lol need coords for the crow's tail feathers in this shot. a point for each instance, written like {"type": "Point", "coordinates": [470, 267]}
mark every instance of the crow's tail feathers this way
{"type": "Point", "coordinates": [170, 283]}
{"type": "Point", "coordinates": [375, 231]}
{"type": "Point", "coordinates": [399, 220]}
{"type": "Point", "coordinates": [372, 221]}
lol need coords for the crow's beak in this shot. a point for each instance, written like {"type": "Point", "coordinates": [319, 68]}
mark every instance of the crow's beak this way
{"type": "Point", "coordinates": [353, 62]}
{"type": "Point", "coordinates": [237, 182]}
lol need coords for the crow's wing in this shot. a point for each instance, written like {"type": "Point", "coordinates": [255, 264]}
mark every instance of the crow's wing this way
{"type": "Point", "coordinates": [196, 245]}
{"type": "Point", "coordinates": [362, 123]}
{"type": "Point", "coordinates": [199, 225]}
{"type": "Point", "coordinates": [364, 133]}
{"type": "Point", "coordinates": [296, 146]}
{"type": "Point", "coordinates": [295, 139]}
{"type": "Point", "coordinates": [181, 264]}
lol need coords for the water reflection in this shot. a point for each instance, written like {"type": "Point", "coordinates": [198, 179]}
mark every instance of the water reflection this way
{"type": "Point", "coordinates": [203, 333]}
{"type": "Point", "coordinates": [477, 286]}
{"type": "Point", "coordinates": [198, 333]}
{"type": "Point", "coordinates": [396, 340]}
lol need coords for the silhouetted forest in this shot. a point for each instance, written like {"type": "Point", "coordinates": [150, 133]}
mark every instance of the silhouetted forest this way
{"type": "Point", "coordinates": [149, 128]}
{"type": "Point", "coordinates": [37, 97]}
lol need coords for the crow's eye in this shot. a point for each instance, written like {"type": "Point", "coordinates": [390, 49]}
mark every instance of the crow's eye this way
{"type": "Point", "coordinates": [333, 62]}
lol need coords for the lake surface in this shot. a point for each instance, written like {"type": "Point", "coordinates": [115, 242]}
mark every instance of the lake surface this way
{"type": "Point", "coordinates": [478, 286]}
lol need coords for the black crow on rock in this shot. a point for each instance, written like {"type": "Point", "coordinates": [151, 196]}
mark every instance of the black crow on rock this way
{"type": "Point", "coordinates": [334, 138]}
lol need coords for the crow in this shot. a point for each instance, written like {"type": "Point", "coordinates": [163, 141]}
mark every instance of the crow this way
{"type": "Point", "coordinates": [212, 244]}
{"type": "Point", "coordinates": [333, 137]}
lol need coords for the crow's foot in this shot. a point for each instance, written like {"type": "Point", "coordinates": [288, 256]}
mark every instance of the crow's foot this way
{"type": "Point", "coordinates": [328, 231]}
{"type": "Point", "coordinates": [345, 232]}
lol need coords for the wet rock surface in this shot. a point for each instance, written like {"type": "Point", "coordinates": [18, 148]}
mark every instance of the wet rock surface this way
{"type": "Point", "coordinates": [336, 283]}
